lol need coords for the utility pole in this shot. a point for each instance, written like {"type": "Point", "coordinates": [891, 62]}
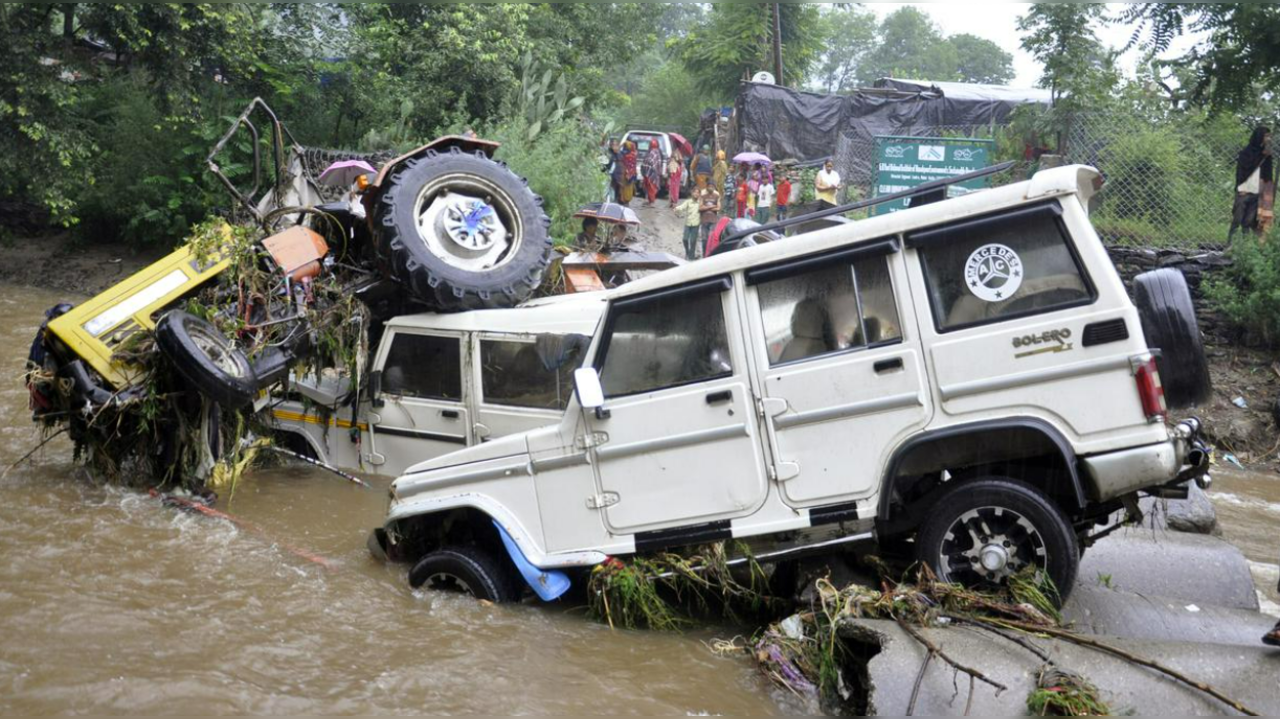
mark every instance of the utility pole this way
{"type": "Point", "coordinates": [777, 43]}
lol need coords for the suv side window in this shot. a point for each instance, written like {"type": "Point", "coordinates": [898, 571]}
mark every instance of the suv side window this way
{"type": "Point", "coordinates": [828, 309]}
{"type": "Point", "coordinates": [670, 340]}
{"type": "Point", "coordinates": [512, 374]}
{"type": "Point", "coordinates": [424, 367]}
{"type": "Point", "coordinates": [1001, 268]}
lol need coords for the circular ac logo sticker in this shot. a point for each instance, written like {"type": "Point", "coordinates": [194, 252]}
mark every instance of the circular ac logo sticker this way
{"type": "Point", "coordinates": [994, 273]}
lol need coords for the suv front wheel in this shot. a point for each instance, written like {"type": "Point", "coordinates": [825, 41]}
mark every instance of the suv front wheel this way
{"type": "Point", "coordinates": [467, 570]}
{"type": "Point", "coordinates": [985, 531]}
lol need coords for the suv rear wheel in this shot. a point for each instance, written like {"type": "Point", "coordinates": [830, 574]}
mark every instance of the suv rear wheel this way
{"type": "Point", "coordinates": [985, 531]}
{"type": "Point", "coordinates": [467, 570]}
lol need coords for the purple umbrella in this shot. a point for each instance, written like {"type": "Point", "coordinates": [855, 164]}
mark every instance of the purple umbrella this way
{"type": "Point", "coordinates": [752, 158]}
{"type": "Point", "coordinates": [344, 174]}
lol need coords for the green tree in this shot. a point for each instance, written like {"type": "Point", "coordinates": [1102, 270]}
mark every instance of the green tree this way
{"type": "Point", "coordinates": [735, 42]}
{"type": "Point", "coordinates": [982, 61]}
{"type": "Point", "coordinates": [912, 47]}
{"type": "Point", "coordinates": [1078, 70]}
{"type": "Point", "coordinates": [1062, 36]}
{"type": "Point", "coordinates": [850, 37]}
{"type": "Point", "coordinates": [1236, 62]}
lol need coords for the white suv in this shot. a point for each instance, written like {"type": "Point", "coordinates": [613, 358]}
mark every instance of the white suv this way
{"type": "Point", "coordinates": [968, 378]}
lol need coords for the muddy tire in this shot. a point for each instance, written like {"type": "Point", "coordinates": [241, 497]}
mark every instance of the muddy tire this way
{"type": "Point", "coordinates": [983, 531]}
{"type": "Point", "coordinates": [208, 361]}
{"type": "Point", "coordinates": [461, 232]}
{"type": "Point", "coordinates": [1169, 324]}
{"type": "Point", "coordinates": [467, 570]}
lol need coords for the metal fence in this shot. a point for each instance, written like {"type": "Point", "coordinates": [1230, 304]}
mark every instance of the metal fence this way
{"type": "Point", "coordinates": [1167, 185]}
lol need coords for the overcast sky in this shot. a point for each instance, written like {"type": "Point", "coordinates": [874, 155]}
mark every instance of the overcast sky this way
{"type": "Point", "coordinates": [998, 22]}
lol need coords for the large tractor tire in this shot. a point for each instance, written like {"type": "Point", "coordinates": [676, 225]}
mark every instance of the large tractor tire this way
{"type": "Point", "coordinates": [1169, 325]}
{"type": "Point", "coordinates": [461, 232]}
{"type": "Point", "coordinates": [207, 360]}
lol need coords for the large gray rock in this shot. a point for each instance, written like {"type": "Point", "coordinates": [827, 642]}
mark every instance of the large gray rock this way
{"type": "Point", "coordinates": [1189, 568]}
{"type": "Point", "coordinates": [1250, 675]}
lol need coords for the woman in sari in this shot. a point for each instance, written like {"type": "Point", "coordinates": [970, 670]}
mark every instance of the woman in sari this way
{"type": "Point", "coordinates": [675, 176]}
{"type": "Point", "coordinates": [652, 173]}
{"type": "Point", "coordinates": [720, 173]}
{"type": "Point", "coordinates": [627, 188]}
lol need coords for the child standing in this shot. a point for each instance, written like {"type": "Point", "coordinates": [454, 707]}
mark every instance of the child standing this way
{"type": "Point", "coordinates": [784, 195]}
{"type": "Point", "coordinates": [764, 201]}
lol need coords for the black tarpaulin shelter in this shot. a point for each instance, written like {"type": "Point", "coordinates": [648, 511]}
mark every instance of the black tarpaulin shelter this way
{"type": "Point", "coordinates": [803, 127]}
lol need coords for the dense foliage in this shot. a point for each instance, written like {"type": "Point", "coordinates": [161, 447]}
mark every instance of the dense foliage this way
{"type": "Point", "coordinates": [108, 110]}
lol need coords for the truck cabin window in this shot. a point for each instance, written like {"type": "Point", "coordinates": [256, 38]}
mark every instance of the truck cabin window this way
{"type": "Point", "coordinates": [828, 310]}
{"type": "Point", "coordinates": [1001, 269]}
{"type": "Point", "coordinates": [514, 375]}
{"type": "Point", "coordinates": [665, 342]}
{"type": "Point", "coordinates": [424, 367]}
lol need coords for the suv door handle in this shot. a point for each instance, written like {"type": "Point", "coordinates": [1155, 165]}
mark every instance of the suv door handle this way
{"type": "Point", "coordinates": [720, 397]}
{"type": "Point", "coordinates": [451, 414]}
{"type": "Point", "coordinates": [891, 365]}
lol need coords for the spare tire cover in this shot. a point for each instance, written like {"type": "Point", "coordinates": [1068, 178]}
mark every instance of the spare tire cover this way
{"type": "Point", "coordinates": [1169, 324]}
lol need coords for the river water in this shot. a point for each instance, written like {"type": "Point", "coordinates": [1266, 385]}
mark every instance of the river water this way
{"type": "Point", "coordinates": [113, 603]}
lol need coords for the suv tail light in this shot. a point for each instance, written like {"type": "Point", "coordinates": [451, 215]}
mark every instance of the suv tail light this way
{"type": "Point", "coordinates": [1151, 391]}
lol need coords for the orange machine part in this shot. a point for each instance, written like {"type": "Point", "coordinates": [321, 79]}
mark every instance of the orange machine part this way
{"type": "Point", "coordinates": [582, 279]}
{"type": "Point", "coordinates": [298, 251]}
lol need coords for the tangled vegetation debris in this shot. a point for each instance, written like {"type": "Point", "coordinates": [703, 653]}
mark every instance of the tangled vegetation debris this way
{"type": "Point", "coordinates": [665, 591]}
{"type": "Point", "coordinates": [158, 432]}
{"type": "Point", "coordinates": [1063, 694]}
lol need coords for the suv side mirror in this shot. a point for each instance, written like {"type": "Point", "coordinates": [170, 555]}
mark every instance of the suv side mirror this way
{"type": "Point", "coordinates": [590, 393]}
{"type": "Point", "coordinates": [375, 390]}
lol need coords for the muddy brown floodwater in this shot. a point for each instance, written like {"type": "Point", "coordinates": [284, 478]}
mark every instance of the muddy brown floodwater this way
{"type": "Point", "coordinates": [111, 603]}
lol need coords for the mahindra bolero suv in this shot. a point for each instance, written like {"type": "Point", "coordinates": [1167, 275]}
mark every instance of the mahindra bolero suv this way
{"type": "Point", "coordinates": [967, 378]}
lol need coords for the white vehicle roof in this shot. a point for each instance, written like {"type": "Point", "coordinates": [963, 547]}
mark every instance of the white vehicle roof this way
{"type": "Point", "coordinates": [1073, 179]}
{"type": "Point", "coordinates": [568, 314]}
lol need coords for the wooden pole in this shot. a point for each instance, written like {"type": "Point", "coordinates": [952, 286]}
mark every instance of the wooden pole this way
{"type": "Point", "coordinates": [777, 43]}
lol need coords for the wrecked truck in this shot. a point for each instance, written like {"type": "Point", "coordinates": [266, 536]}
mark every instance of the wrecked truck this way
{"type": "Point", "coordinates": [266, 326]}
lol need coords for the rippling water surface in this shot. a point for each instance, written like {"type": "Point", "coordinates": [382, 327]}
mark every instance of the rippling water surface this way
{"type": "Point", "coordinates": [112, 603]}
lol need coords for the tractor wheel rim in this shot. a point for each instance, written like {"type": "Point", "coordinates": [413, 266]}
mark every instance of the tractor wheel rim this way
{"type": "Point", "coordinates": [468, 222]}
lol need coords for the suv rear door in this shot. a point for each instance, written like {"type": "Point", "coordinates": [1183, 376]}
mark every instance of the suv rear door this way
{"type": "Point", "coordinates": [843, 376]}
{"type": "Point", "coordinates": [678, 442]}
{"type": "Point", "coordinates": [1018, 324]}
{"type": "Point", "coordinates": [420, 411]}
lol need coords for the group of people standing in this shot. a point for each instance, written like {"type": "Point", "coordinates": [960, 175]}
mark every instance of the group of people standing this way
{"type": "Point", "coordinates": [717, 192]}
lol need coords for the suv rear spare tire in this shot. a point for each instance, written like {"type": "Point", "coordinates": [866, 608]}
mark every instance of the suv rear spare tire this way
{"type": "Point", "coordinates": [206, 359]}
{"type": "Point", "coordinates": [469, 570]}
{"type": "Point", "coordinates": [984, 531]}
{"type": "Point", "coordinates": [1169, 324]}
{"type": "Point", "coordinates": [462, 232]}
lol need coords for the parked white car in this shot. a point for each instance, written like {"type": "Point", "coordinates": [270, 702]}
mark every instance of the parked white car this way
{"type": "Point", "coordinates": [441, 382]}
{"type": "Point", "coordinates": [968, 378]}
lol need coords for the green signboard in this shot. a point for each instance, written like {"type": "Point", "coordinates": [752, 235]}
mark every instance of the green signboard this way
{"type": "Point", "coordinates": [906, 162]}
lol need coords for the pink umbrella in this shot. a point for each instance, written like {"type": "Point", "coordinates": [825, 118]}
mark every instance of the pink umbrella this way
{"type": "Point", "coordinates": [345, 173]}
{"type": "Point", "coordinates": [684, 146]}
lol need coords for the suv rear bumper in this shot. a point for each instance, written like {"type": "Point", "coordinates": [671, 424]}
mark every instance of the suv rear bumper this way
{"type": "Point", "coordinates": [1182, 459]}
